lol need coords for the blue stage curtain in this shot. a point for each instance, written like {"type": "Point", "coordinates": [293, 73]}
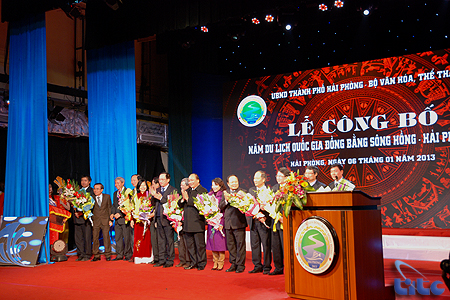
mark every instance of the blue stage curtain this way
{"type": "Point", "coordinates": [26, 182]}
{"type": "Point", "coordinates": [112, 114]}
{"type": "Point", "coordinates": [207, 127]}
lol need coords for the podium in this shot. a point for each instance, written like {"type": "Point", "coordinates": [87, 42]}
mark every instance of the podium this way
{"type": "Point", "coordinates": [343, 262]}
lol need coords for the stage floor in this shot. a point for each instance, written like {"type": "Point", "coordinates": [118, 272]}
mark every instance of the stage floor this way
{"type": "Point", "coordinates": [125, 280]}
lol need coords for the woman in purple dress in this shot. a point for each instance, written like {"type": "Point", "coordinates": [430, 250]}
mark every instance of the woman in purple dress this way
{"type": "Point", "coordinates": [216, 241]}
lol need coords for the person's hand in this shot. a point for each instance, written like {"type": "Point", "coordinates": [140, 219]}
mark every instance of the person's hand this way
{"type": "Point", "coordinates": [132, 223]}
{"type": "Point", "coordinates": [185, 195]}
{"type": "Point", "coordinates": [262, 220]}
{"type": "Point", "coordinates": [117, 215]}
{"type": "Point", "coordinates": [158, 196]}
{"type": "Point", "coordinates": [152, 191]}
{"type": "Point", "coordinates": [152, 214]}
{"type": "Point", "coordinates": [78, 214]}
{"type": "Point", "coordinates": [220, 227]}
{"type": "Point", "coordinates": [281, 220]}
{"type": "Point", "coordinates": [110, 223]}
{"type": "Point", "coordinates": [111, 217]}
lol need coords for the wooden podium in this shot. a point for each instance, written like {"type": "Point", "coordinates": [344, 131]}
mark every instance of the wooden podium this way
{"type": "Point", "coordinates": [358, 271]}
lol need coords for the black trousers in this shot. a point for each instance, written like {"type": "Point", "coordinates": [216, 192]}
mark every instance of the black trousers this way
{"type": "Point", "coordinates": [278, 248]}
{"type": "Point", "coordinates": [166, 241]}
{"type": "Point", "coordinates": [183, 253]}
{"type": "Point", "coordinates": [236, 247]}
{"type": "Point", "coordinates": [83, 239]}
{"type": "Point", "coordinates": [196, 248]}
{"type": "Point", "coordinates": [154, 239]}
{"type": "Point", "coordinates": [260, 234]}
{"type": "Point", "coordinates": [124, 243]}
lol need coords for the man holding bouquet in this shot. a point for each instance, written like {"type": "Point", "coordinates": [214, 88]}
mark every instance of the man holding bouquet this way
{"type": "Point", "coordinates": [235, 224]}
{"type": "Point", "coordinates": [124, 244]}
{"type": "Point", "coordinates": [260, 229]}
{"type": "Point", "coordinates": [166, 250]}
{"type": "Point", "coordinates": [83, 227]}
{"type": "Point", "coordinates": [194, 224]}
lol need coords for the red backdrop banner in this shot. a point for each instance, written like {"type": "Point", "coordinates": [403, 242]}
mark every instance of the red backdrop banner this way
{"type": "Point", "coordinates": [386, 121]}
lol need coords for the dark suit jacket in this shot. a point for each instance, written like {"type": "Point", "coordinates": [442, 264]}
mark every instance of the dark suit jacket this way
{"type": "Point", "coordinates": [193, 221]}
{"type": "Point", "coordinates": [234, 219]}
{"type": "Point", "coordinates": [115, 208]}
{"type": "Point", "coordinates": [169, 190]}
{"type": "Point", "coordinates": [250, 220]}
{"type": "Point", "coordinates": [81, 219]}
{"type": "Point", "coordinates": [318, 184]}
{"type": "Point", "coordinates": [101, 214]}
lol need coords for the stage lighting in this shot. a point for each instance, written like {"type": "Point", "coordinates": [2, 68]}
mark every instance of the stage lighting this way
{"type": "Point", "coordinates": [255, 21]}
{"type": "Point", "coordinates": [204, 29]}
{"type": "Point", "coordinates": [366, 12]}
{"type": "Point", "coordinates": [323, 7]}
{"type": "Point", "coordinates": [288, 27]}
{"type": "Point", "coordinates": [269, 18]}
{"type": "Point", "coordinates": [339, 3]}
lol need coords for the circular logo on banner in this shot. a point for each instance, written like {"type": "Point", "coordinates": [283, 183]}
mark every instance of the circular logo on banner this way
{"type": "Point", "coordinates": [316, 245]}
{"type": "Point", "coordinates": [252, 110]}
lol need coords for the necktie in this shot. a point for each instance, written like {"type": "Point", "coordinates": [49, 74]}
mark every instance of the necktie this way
{"type": "Point", "coordinates": [163, 189]}
{"type": "Point", "coordinates": [99, 201]}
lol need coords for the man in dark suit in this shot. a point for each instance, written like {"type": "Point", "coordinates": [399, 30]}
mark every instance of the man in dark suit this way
{"type": "Point", "coordinates": [101, 219]}
{"type": "Point", "coordinates": [183, 254]}
{"type": "Point", "coordinates": [194, 224]}
{"type": "Point", "coordinates": [153, 232]}
{"type": "Point", "coordinates": [124, 244]}
{"type": "Point", "coordinates": [277, 235]}
{"type": "Point", "coordinates": [165, 231]}
{"type": "Point", "coordinates": [83, 228]}
{"type": "Point", "coordinates": [235, 224]}
{"type": "Point", "coordinates": [260, 230]}
{"type": "Point", "coordinates": [311, 174]}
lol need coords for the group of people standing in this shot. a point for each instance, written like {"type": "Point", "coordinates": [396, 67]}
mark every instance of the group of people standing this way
{"type": "Point", "coordinates": [134, 240]}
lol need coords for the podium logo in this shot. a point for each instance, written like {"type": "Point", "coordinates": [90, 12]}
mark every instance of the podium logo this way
{"type": "Point", "coordinates": [410, 287]}
{"type": "Point", "coordinates": [252, 110]}
{"type": "Point", "coordinates": [315, 245]}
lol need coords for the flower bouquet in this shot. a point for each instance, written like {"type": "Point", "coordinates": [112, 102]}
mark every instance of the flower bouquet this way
{"type": "Point", "coordinates": [80, 199]}
{"type": "Point", "coordinates": [245, 202]}
{"type": "Point", "coordinates": [208, 206]}
{"type": "Point", "coordinates": [292, 192]}
{"type": "Point", "coordinates": [173, 212]}
{"type": "Point", "coordinates": [125, 204]}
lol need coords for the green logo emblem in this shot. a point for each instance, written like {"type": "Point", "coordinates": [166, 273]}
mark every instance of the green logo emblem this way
{"type": "Point", "coordinates": [252, 111]}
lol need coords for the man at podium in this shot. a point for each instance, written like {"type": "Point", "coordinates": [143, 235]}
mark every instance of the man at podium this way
{"type": "Point", "coordinates": [311, 174]}
{"type": "Point", "coordinates": [339, 183]}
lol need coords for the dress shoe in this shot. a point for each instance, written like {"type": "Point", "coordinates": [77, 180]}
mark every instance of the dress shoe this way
{"type": "Point", "coordinates": [181, 265]}
{"type": "Point", "coordinates": [266, 272]}
{"type": "Point", "coordinates": [168, 266]}
{"type": "Point", "coordinates": [85, 258]}
{"type": "Point", "coordinates": [108, 259]}
{"type": "Point", "coordinates": [118, 258]}
{"type": "Point", "coordinates": [214, 268]}
{"type": "Point", "coordinates": [131, 260]}
{"type": "Point", "coordinates": [79, 258]}
{"type": "Point", "coordinates": [153, 262]}
{"type": "Point", "coordinates": [276, 272]}
{"type": "Point", "coordinates": [255, 271]}
{"type": "Point", "coordinates": [96, 259]}
{"type": "Point", "coordinates": [231, 269]}
{"type": "Point", "coordinates": [219, 269]}
{"type": "Point", "coordinates": [240, 270]}
{"type": "Point", "coordinates": [200, 268]}
{"type": "Point", "coordinates": [190, 267]}
{"type": "Point", "coordinates": [158, 265]}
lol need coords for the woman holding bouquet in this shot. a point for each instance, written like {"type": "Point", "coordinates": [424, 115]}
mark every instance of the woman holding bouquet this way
{"type": "Point", "coordinates": [142, 246]}
{"type": "Point", "coordinates": [216, 241]}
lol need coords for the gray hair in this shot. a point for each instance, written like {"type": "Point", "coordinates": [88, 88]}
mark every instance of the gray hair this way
{"type": "Point", "coordinates": [120, 179]}
{"type": "Point", "coordinates": [186, 181]}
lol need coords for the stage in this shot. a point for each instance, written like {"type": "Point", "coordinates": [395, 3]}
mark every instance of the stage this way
{"type": "Point", "coordinates": [121, 279]}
